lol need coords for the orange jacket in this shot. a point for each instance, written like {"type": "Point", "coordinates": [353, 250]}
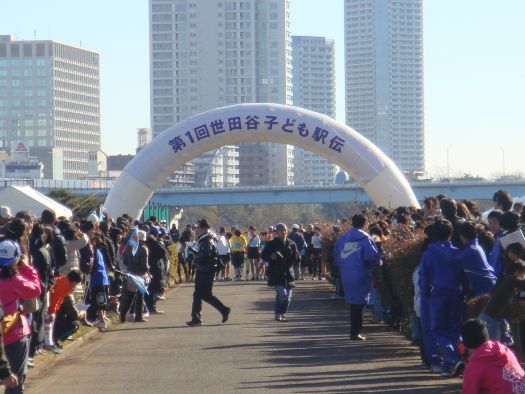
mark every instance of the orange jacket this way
{"type": "Point", "coordinates": [59, 291]}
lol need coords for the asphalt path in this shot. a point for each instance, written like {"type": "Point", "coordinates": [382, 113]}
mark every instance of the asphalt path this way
{"type": "Point", "coordinates": [311, 353]}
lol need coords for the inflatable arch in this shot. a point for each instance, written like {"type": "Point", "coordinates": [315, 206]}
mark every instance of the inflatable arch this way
{"type": "Point", "coordinates": [368, 166]}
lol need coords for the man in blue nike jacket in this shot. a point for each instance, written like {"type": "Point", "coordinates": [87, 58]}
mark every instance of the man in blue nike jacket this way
{"type": "Point", "coordinates": [356, 254]}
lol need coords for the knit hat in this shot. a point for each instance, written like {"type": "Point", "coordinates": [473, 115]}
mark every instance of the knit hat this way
{"type": "Point", "coordinates": [5, 212]}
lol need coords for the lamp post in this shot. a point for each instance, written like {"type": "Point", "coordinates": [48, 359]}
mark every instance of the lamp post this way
{"type": "Point", "coordinates": [503, 159]}
{"type": "Point", "coordinates": [448, 161]}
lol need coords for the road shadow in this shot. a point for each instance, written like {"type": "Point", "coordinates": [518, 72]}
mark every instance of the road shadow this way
{"type": "Point", "coordinates": [316, 340]}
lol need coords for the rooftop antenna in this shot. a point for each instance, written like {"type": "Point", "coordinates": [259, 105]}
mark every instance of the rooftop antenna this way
{"type": "Point", "coordinates": [80, 43]}
{"type": "Point", "coordinates": [34, 31]}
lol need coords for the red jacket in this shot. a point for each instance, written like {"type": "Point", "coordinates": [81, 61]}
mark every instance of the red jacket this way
{"type": "Point", "coordinates": [493, 369]}
{"type": "Point", "coordinates": [59, 291]}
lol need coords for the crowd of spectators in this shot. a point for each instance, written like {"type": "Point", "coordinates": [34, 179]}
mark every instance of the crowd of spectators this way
{"type": "Point", "coordinates": [56, 274]}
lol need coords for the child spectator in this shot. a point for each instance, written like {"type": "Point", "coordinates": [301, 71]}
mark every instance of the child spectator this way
{"type": "Point", "coordinates": [62, 311]}
{"type": "Point", "coordinates": [440, 283]}
{"type": "Point", "coordinates": [478, 276]}
{"type": "Point", "coordinates": [18, 281]}
{"type": "Point", "coordinates": [505, 289]}
{"type": "Point", "coordinates": [492, 367]}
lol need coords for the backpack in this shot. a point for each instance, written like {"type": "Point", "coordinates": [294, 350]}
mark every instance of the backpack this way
{"type": "Point", "coordinates": [86, 259]}
{"type": "Point", "coordinates": [59, 248]}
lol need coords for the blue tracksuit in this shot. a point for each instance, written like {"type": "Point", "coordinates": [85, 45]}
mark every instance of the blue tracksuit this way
{"type": "Point", "coordinates": [440, 284]}
{"type": "Point", "coordinates": [356, 254]}
{"type": "Point", "coordinates": [496, 260]}
{"type": "Point", "coordinates": [99, 276]}
{"type": "Point", "coordinates": [478, 275]}
{"type": "Point", "coordinates": [429, 350]}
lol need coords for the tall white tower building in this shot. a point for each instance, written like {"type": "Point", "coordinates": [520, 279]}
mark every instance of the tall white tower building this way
{"type": "Point", "coordinates": [384, 76]}
{"type": "Point", "coordinates": [50, 100]}
{"type": "Point", "coordinates": [212, 53]}
{"type": "Point", "coordinates": [313, 89]}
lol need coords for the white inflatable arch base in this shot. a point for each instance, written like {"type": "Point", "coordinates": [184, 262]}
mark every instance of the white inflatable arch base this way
{"type": "Point", "coordinates": [190, 138]}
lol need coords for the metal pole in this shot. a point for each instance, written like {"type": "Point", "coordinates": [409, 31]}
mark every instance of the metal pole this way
{"type": "Point", "coordinates": [448, 161]}
{"type": "Point", "coordinates": [503, 159]}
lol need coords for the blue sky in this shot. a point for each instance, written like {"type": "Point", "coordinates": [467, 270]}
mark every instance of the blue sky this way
{"type": "Point", "coordinates": [474, 70]}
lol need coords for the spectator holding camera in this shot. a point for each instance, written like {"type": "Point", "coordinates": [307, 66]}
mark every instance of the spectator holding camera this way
{"type": "Point", "coordinates": [281, 253]}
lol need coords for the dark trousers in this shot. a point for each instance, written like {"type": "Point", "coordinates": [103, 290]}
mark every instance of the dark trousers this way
{"type": "Point", "coordinates": [316, 265]}
{"type": "Point", "coordinates": [151, 299]}
{"type": "Point", "coordinates": [204, 292]}
{"type": "Point", "coordinates": [17, 354]}
{"type": "Point", "coordinates": [65, 324]}
{"type": "Point", "coordinates": [37, 325]}
{"type": "Point", "coordinates": [356, 319]}
{"type": "Point", "coordinates": [131, 300]}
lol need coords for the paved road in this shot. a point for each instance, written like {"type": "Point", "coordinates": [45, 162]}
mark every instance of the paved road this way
{"type": "Point", "coordinates": [251, 353]}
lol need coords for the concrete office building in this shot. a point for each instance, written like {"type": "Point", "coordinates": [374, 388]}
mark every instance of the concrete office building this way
{"type": "Point", "coordinates": [313, 89]}
{"type": "Point", "coordinates": [49, 99]}
{"type": "Point", "coordinates": [384, 77]}
{"type": "Point", "coordinates": [206, 54]}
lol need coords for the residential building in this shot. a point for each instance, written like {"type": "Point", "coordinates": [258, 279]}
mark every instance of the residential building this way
{"type": "Point", "coordinates": [217, 168]}
{"type": "Point", "coordinates": [384, 77]}
{"type": "Point", "coordinates": [313, 89]}
{"type": "Point", "coordinates": [206, 54]}
{"type": "Point", "coordinates": [49, 99]}
{"type": "Point", "coordinates": [144, 137]}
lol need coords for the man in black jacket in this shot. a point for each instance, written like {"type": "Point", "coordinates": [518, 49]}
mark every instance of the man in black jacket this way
{"type": "Point", "coordinates": [282, 254]}
{"type": "Point", "coordinates": [157, 259]}
{"type": "Point", "coordinates": [206, 259]}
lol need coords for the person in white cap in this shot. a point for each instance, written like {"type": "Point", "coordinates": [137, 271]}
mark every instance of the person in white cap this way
{"type": "Point", "coordinates": [18, 281]}
{"type": "Point", "coordinates": [5, 215]}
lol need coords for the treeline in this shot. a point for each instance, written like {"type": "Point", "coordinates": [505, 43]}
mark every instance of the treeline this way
{"type": "Point", "coordinates": [263, 216]}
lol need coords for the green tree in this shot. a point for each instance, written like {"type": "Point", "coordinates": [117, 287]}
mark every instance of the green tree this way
{"type": "Point", "coordinates": [81, 206]}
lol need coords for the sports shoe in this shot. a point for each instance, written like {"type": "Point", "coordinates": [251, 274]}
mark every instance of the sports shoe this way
{"type": "Point", "coordinates": [194, 323]}
{"type": "Point", "coordinates": [99, 324]}
{"type": "Point", "coordinates": [436, 369]}
{"type": "Point", "coordinates": [161, 297]}
{"type": "Point", "coordinates": [30, 363]}
{"type": "Point", "coordinates": [458, 368]}
{"type": "Point", "coordinates": [226, 315]}
{"type": "Point", "coordinates": [53, 348]}
{"type": "Point", "coordinates": [157, 312]}
{"type": "Point", "coordinates": [278, 317]}
{"type": "Point", "coordinates": [446, 373]}
{"type": "Point", "coordinates": [141, 320]}
{"type": "Point", "coordinates": [357, 337]}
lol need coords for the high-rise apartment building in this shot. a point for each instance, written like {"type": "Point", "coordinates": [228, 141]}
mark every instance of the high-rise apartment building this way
{"type": "Point", "coordinates": [49, 99]}
{"type": "Point", "coordinates": [217, 168]}
{"type": "Point", "coordinates": [384, 76]}
{"type": "Point", "coordinates": [212, 53]}
{"type": "Point", "coordinates": [313, 89]}
{"type": "Point", "coordinates": [144, 137]}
